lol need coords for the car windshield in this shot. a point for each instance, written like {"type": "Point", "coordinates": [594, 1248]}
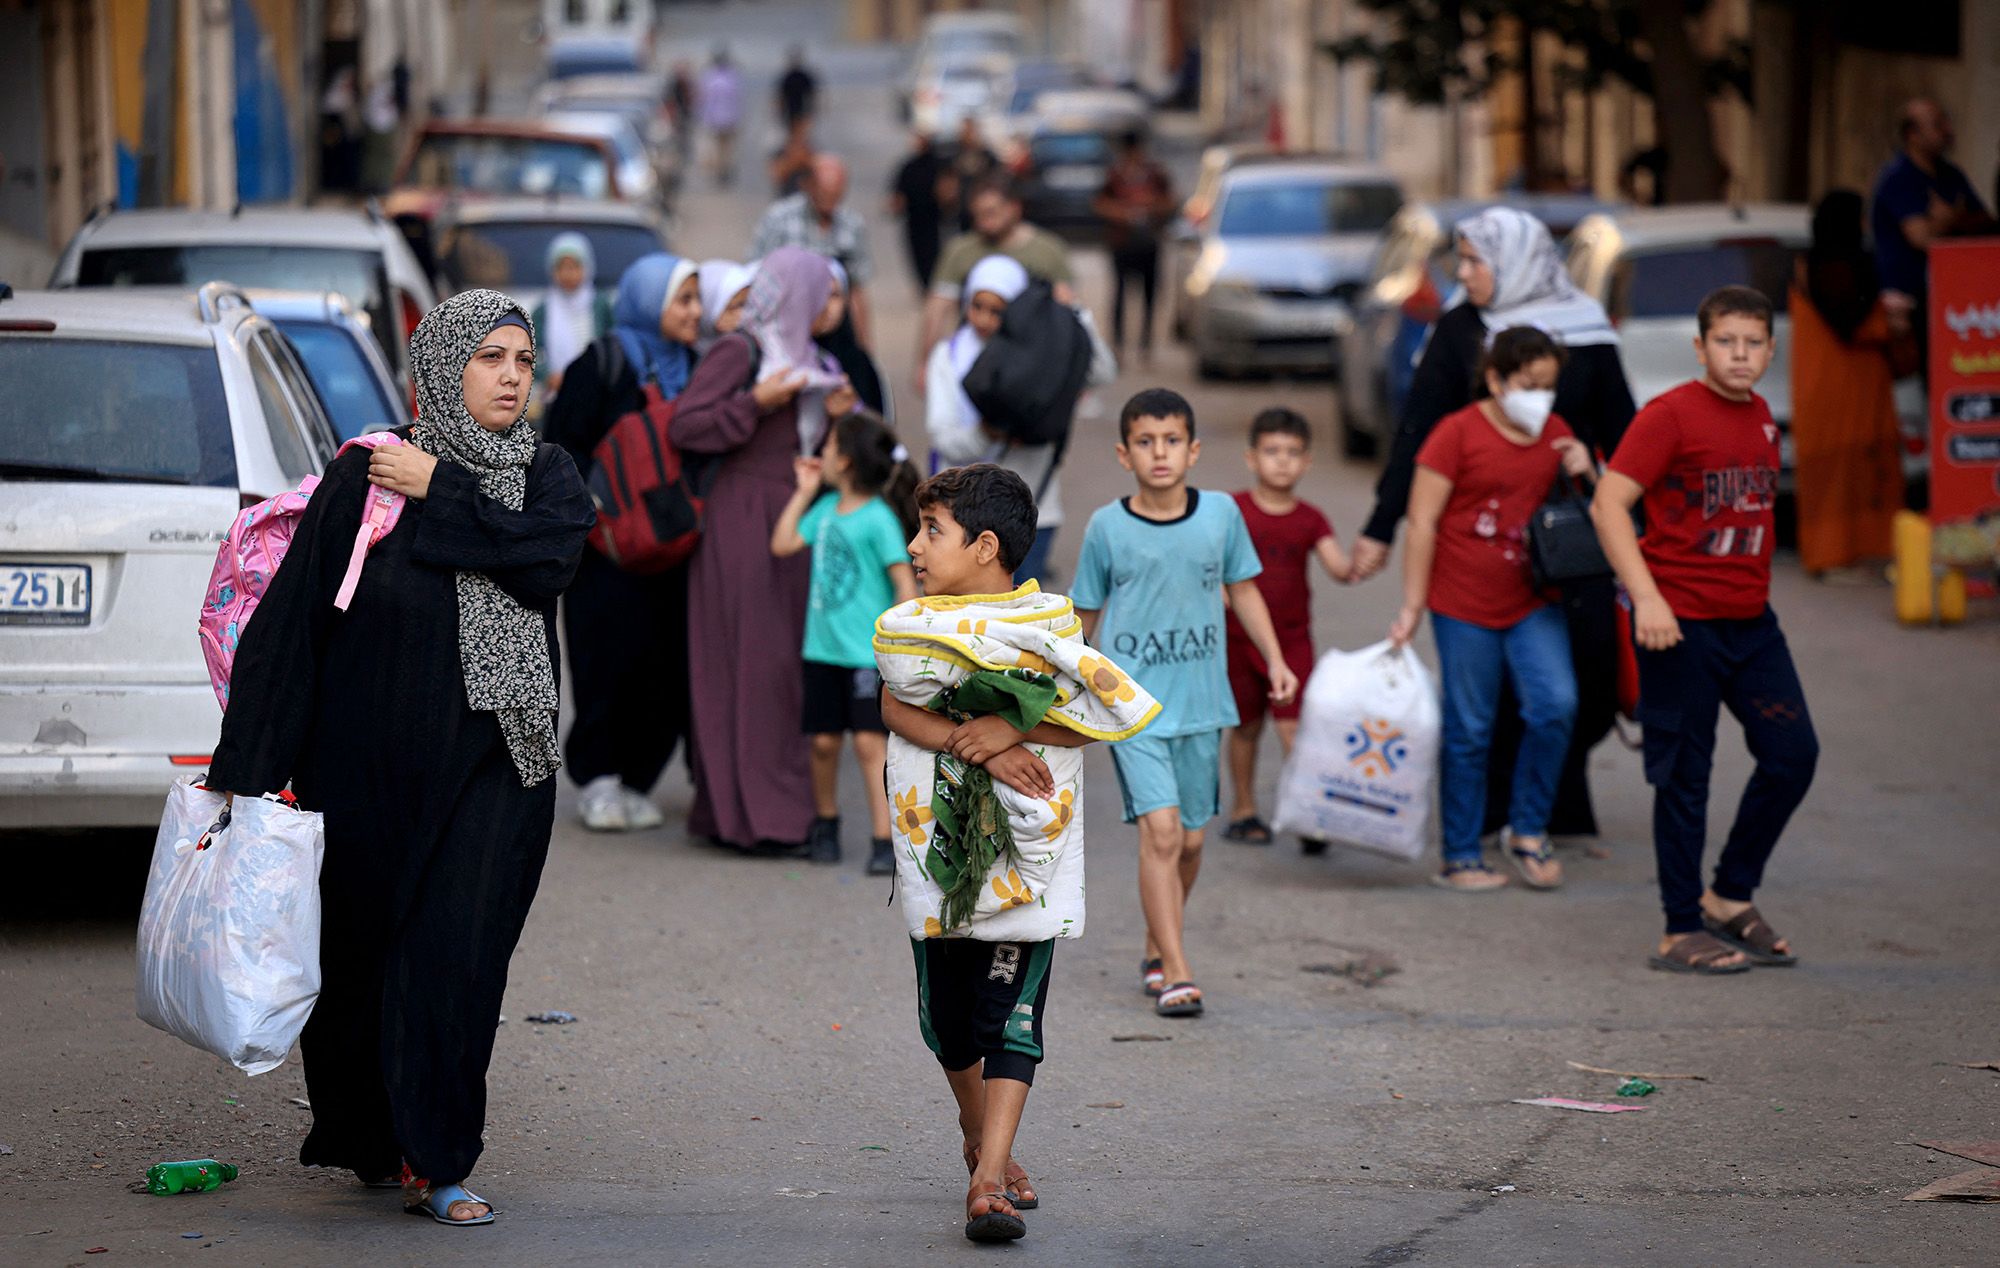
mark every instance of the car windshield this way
{"type": "Point", "coordinates": [505, 254]}
{"type": "Point", "coordinates": [1307, 209]}
{"type": "Point", "coordinates": [1084, 148]}
{"type": "Point", "coordinates": [959, 45]}
{"type": "Point", "coordinates": [347, 384]}
{"type": "Point", "coordinates": [356, 274]}
{"type": "Point", "coordinates": [1672, 283]}
{"type": "Point", "coordinates": [596, 61]}
{"type": "Point", "coordinates": [511, 165]}
{"type": "Point", "coordinates": [99, 409]}
{"type": "Point", "coordinates": [623, 140]}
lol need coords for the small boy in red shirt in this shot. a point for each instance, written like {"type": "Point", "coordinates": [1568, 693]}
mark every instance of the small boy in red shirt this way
{"type": "Point", "coordinates": [1704, 457]}
{"type": "Point", "coordinates": [1287, 533]}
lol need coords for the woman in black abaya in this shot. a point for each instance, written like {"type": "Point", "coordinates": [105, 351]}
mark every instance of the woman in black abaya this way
{"type": "Point", "coordinates": [421, 723]}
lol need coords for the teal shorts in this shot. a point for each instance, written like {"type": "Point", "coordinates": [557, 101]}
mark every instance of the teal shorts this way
{"type": "Point", "coordinates": [1181, 772]}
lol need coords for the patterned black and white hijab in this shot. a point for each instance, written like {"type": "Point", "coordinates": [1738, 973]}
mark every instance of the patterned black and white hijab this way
{"type": "Point", "coordinates": [502, 646]}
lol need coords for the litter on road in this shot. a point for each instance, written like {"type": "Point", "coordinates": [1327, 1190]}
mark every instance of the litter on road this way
{"type": "Point", "coordinates": [1632, 1074]}
{"type": "Point", "coordinates": [803, 1193]}
{"type": "Point", "coordinates": [1986, 1151]}
{"type": "Point", "coordinates": [1981, 1184]}
{"type": "Point", "coordinates": [1977, 1065]}
{"type": "Point", "coordinates": [1636, 1087]}
{"type": "Point", "coordinates": [1140, 1038]}
{"type": "Point", "coordinates": [1369, 970]}
{"type": "Point", "coordinates": [1588, 1107]}
{"type": "Point", "coordinates": [554, 1017]}
{"type": "Point", "coordinates": [1105, 1105]}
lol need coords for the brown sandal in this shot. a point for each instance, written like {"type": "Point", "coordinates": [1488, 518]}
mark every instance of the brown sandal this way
{"type": "Point", "coordinates": [1751, 934]}
{"type": "Point", "coordinates": [1698, 953]}
{"type": "Point", "coordinates": [990, 1217]}
{"type": "Point", "coordinates": [1020, 1189]}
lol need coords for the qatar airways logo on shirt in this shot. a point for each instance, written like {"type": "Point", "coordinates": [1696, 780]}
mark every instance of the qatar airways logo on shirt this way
{"type": "Point", "coordinates": [1744, 490]}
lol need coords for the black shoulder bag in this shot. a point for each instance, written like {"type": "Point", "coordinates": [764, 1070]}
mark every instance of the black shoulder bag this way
{"type": "Point", "coordinates": [1562, 541]}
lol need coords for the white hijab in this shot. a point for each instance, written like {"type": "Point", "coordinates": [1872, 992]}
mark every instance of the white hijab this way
{"type": "Point", "coordinates": [1530, 285]}
{"type": "Point", "coordinates": [721, 280]}
{"type": "Point", "coordinates": [569, 316]}
{"type": "Point", "coordinates": [1003, 276]}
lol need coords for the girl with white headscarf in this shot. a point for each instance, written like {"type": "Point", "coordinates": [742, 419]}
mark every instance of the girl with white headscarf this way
{"type": "Point", "coordinates": [1513, 275]}
{"type": "Point", "coordinates": [571, 313]}
{"type": "Point", "coordinates": [725, 287]}
{"type": "Point", "coordinates": [421, 723]}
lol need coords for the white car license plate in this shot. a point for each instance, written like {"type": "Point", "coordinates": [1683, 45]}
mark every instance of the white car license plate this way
{"type": "Point", "coordinates": [44, 594]}
{"type": "Point", "coordinates": [1074, 177]}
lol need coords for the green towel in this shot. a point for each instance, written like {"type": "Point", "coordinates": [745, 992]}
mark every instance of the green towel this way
{"type": "Point", "coordinates": [971, 831]}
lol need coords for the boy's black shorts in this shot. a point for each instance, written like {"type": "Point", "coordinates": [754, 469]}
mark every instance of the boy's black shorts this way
{"type": "Point", "coordinates": [983, 1001]}
{"type": "Point", "coordinates": [839, 699]}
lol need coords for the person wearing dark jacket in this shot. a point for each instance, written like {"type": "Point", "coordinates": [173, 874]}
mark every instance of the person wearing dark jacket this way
{"type": "Point", "coordinates": [627, 633]}
{"type": "Point", "coordinates": [421, 723]}
{"type": "Point", "coordinates": [1513, 276]}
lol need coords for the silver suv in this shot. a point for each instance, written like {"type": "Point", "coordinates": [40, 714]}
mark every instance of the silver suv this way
{"type": "Point", "coordinates": [134, 427]}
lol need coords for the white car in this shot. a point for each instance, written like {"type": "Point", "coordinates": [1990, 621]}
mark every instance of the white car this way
{"type": "Point", "coordinates": [360, 254]}
{"type": "Point", "coordinates": [639, 178]}
{"type": "Point", "coordinates": [1650, 269]}
{"type": "Point", "coordinates": [133, 429]}
{"type": "Point", "coordinates": [1279, 260]}
{"type": "Point", "coordinates": [619, 26]}
{"type": "Point", "coordinates": [962, 62]}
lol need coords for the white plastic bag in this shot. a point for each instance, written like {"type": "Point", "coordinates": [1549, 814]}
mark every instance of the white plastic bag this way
{"type": "Point", "coordinates": [229, 932]}
{"type": "Point", "coordinates": [1362, 768]}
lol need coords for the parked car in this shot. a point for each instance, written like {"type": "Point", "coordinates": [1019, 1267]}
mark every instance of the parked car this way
{"type": "Point", "coordinates": [640, 98]}
{"type": "Point", "coordinates": [1183, 240]}
{"type": "Point", "coordinates": [1650, 269]}
{"type": "Point", "coordinates": [1281, 259]}
{"type": "Point", "coordinates": [1070, 150]}
{"type": "Point", "coordinates": [1011, 114]}
{"type": "Point", "coordinates": [949, 91]}
{"type": "Point", "coordinates": [979, 39]}
{"type": "Point", "coordinates": [496, 158]}
{"type": "Point", "coordinates": [355, 386]}
{"type": "Point", "coordinates": [503, 244]}
{"type": "Point", "coordinates": [640, 178]}
{"type": "Point", "coordinates": [360, 254]}
{"type": "Point", "coordinates": [570, 56]}
{"type": "Point", "coordinates": [133, 429]}
{"type": "Point", "coordinates": [1407, 288]}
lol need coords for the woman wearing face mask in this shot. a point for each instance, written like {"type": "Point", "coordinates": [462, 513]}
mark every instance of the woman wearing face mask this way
{"type": "Point", "coordinates": [626, 633]}
{"type": "Point", "coordinates": [572, 313]}
{"type": "Point", "coordinates": [421, 723]}
{"type": "Point", "coordinates": [725, 288]}
{"type": "Point", "coordinates": [1480, 477]}
{"type": "Point", "coordinates": [1513, 276]}
{"type": "Point", "coordinates": [760, 397]}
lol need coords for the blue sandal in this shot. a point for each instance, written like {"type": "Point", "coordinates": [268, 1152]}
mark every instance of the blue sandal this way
{"type": "Point", "coordinates": [421, 1197]}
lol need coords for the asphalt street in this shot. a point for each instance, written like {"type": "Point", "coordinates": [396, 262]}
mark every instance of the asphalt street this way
{"type": "Point", "coordinates": [745, 1082]}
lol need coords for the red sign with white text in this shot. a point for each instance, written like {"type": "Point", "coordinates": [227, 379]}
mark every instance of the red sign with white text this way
{"type": "Point", "coordinates": [1965, 398]}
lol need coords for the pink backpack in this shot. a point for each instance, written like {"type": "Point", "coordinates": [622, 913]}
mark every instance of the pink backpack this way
{"type": "Point", "coordinates": [256, 545]}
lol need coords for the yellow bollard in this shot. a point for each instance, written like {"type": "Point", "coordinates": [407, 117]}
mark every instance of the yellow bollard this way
{"type": "Point", "coordinates": [1913, 570]}
{"type": "Point", "coordinates": [1951, 596]}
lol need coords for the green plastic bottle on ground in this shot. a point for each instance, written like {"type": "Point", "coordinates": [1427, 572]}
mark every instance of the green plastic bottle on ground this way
{"type": "Point", "coordinates": [197, 1176]}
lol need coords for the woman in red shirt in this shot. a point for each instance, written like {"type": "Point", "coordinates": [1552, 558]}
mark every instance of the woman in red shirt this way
{"type": "Point", "coordinates": [1479, 478]}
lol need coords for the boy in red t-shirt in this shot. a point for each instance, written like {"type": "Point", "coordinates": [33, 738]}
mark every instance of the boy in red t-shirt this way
{"type": "Point", "coordinates": [1704, 457]}
{"type": "Point", "coordinates": [1288, 533]}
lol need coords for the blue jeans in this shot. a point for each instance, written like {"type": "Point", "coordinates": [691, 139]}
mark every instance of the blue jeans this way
{"type": "Point", "coordinates": [1475, 661]}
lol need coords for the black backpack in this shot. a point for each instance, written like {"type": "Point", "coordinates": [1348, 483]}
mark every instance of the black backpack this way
{"type": "Point", "coordinates": [1026, 382]}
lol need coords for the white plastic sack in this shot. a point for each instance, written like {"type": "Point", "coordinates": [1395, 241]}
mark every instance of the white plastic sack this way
{"type": "Point", "coordinates": [1362, 767]}
{"type": "Point", "coordinates": [229, 932]}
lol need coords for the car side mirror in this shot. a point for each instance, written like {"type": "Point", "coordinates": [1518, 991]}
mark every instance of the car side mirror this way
{"type": "Point", "coordinates": [1182, 230]}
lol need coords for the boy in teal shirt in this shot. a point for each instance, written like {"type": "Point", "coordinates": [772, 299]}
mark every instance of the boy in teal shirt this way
{"type": "Point", "coordinates": [1149, 589]}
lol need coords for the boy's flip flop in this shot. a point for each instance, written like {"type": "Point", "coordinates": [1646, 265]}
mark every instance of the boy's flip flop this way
{"type": "Point", "coordinates": [1751, 934]}
{"type": "Point", "coordinates": [1152, 977]}
{"type": "Point", "coordinates": [1698, 953]}
{"type": "Point", "coordinates": [1182, 999]}
{"type": "Point", "coordinates": [990, 1217]}
{"type": "Point", "coordinates": [437, 1202]}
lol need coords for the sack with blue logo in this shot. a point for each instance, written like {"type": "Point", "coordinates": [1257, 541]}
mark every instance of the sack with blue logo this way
{"type": "Point", "coordinates": [1365, 759]}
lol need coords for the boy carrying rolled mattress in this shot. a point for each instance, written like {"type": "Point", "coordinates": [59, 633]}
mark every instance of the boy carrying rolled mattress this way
{"type": "Point", "coordinates": [989, 694]}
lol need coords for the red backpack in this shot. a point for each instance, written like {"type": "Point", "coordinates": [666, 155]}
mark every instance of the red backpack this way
{"type": "Point", "coordinates": [649, 495]}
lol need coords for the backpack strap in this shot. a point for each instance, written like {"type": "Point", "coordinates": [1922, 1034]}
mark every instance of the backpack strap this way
{"type": "Point", "coordinates": [364, 537]}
